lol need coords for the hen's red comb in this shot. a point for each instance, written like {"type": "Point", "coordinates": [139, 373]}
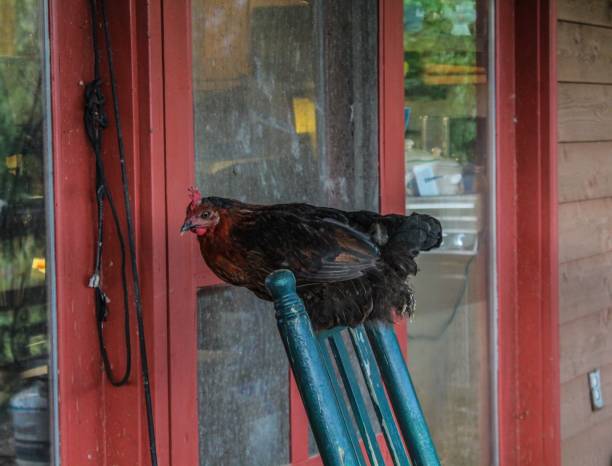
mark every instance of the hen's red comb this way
{"type": "Point", "coordinates": [195, 196]}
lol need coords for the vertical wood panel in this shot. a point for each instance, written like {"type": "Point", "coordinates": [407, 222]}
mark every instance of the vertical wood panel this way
{"type": "Point", "coordinates": [152, 216]}
{"type": "Point", "coordinates": [536, 249]}
{"type": "Point", "coordinates": [124, 406]}
{"type": "Point", "coordinates": [182, 321]}
{"type": "Point", "coordinates": [391, 119]}
{"type": "Point", "coordinates": [529, 420]}
{"type": "Point", "coordinates": [506, 230]}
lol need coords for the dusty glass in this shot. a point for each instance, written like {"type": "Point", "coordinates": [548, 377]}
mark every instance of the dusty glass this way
{"type": "Point", "coordinates": [447, 158]}
{"type": "Point", "coordinates": [24, 310]}
{"type": "Point", "coordinates": [242, 380]}
{"type": "Point", "coordinates": [285, 110]}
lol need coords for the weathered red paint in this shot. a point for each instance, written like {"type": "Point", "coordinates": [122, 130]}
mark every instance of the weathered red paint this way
{"type": "Point", "coordinates": [391, 106]}
{"type": "Point", "coordinates": [391, 119]}
{"type": "Point", "coordinates": [100, 424]}
{"type": "Point", "coordinates": [153, 220]}
{"type": "Point", "coordinates": [538, 357]}
{"type": "Point", "coordinates": [82, 419]}
{"type": "Point", "coordinates": [505, 94]}
{"type": "Point", "coordinates": [182, 321]}
{"type": "Point", "coordinates": [123, 422]}
{"type": "Point", "coordinates": [298, 441]}
{"type": "Point", "coordinates": [527, 234]}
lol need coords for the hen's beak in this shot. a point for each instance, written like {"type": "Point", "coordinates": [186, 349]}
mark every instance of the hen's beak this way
{"type": "Point", "coordinates": [186, 226]}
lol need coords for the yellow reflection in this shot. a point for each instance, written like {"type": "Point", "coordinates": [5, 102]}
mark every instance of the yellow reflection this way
{"type": "Point", "coordinates": [39, 264]}
{"type": "Point", "coordinates": [7, 28]}
{"type": "Point", "coordinates": [445, 74]}
{"type": "Point", "coordinates": [14, 163]}
{"type": "Point", "coordinates": [305, 118]}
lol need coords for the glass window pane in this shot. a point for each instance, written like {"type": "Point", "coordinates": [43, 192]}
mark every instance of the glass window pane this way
{"type": "Point", "coordinates": [285, 102]}
{"type": "Point", "coordinates": [242, 379]}
{"type": "Point", "coordinates": [285, 110]}
{"type": "Point", "coordinates": [24, 310]}
{"type": "Point", "coordinates": [447, 161]}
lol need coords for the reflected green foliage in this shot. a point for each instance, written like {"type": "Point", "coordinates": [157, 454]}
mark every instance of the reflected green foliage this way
{"type": "Point", "coordinates": [23, 309]}
{"type": "Point", "coordinates": [447, 155]}
{"type": "Point", "coordinates": [20, 104]}
{"type": "Point", "coordinates": [443, 61]}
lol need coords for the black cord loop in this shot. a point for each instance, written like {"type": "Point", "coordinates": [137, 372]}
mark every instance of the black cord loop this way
{"type": "Point", "coordinates": [96, 120]}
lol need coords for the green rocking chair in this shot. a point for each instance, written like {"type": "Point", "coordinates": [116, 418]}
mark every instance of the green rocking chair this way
{"type": "Point", "coordinates": [386, 378]}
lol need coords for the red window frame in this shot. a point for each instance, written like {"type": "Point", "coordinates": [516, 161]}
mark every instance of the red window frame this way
{"type": "Point", "coordinates": [103, 425]}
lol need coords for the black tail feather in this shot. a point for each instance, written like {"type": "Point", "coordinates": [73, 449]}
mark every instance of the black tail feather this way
{"type": "Point", "coordinates": [383, 293]}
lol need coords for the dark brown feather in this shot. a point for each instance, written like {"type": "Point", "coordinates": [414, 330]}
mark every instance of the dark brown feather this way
{"type": "Point", "coordinates": [349, 266]}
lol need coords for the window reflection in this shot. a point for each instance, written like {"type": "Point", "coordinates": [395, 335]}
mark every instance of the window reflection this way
{"type": "Point", "coordinates": [24, 343]}
{"type": "Point", "coordinates": [446, 156]}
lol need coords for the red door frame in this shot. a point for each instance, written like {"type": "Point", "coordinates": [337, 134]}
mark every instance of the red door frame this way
{"type": "Point", "coordinates": [103, 425]}
{"type": "Point", "coordinates": [527, 233]}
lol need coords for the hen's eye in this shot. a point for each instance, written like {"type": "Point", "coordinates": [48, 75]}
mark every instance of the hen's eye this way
{"type": "Point", "coordinates": [205, 214]}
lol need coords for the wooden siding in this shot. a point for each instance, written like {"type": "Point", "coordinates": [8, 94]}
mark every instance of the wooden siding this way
{"type": "Point", "coordinates": [595, 12]}
{"type": "Point", "coordinates": [585, 226]}
{"type": "Point", "coordinates": [584, 53]}
{"type": "Point", "coordinates": [589, 277]}
{"type": "Point", "coordinates": [585, 171]}
{"type": "Point", "coordinates": [585, 113]}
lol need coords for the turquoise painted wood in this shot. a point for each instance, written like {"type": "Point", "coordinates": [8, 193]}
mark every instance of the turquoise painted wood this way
{"type": "Point", "coordinates": [382, 365]}
{"type": "Point", "coordinates": [374, 383]}
{"type": "Point", "coordinates": [402, 394]}
{"type": "Point", "coordinates": [315, 387]}
{"type": "Point", "coordinates": [355, 397]}
{"type": "Point", "coordinates": [348, 420]}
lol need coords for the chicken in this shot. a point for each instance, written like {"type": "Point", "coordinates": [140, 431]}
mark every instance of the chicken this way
{"type": "Point", "coordinates": [349, 266]}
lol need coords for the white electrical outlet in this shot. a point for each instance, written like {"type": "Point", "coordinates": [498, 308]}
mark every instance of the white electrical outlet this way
{"type": "Point", "coordinates": [597, 401]}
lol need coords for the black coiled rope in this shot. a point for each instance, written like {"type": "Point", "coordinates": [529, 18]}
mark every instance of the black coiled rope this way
{"type": "Point", "coordinates": [96, 121]}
